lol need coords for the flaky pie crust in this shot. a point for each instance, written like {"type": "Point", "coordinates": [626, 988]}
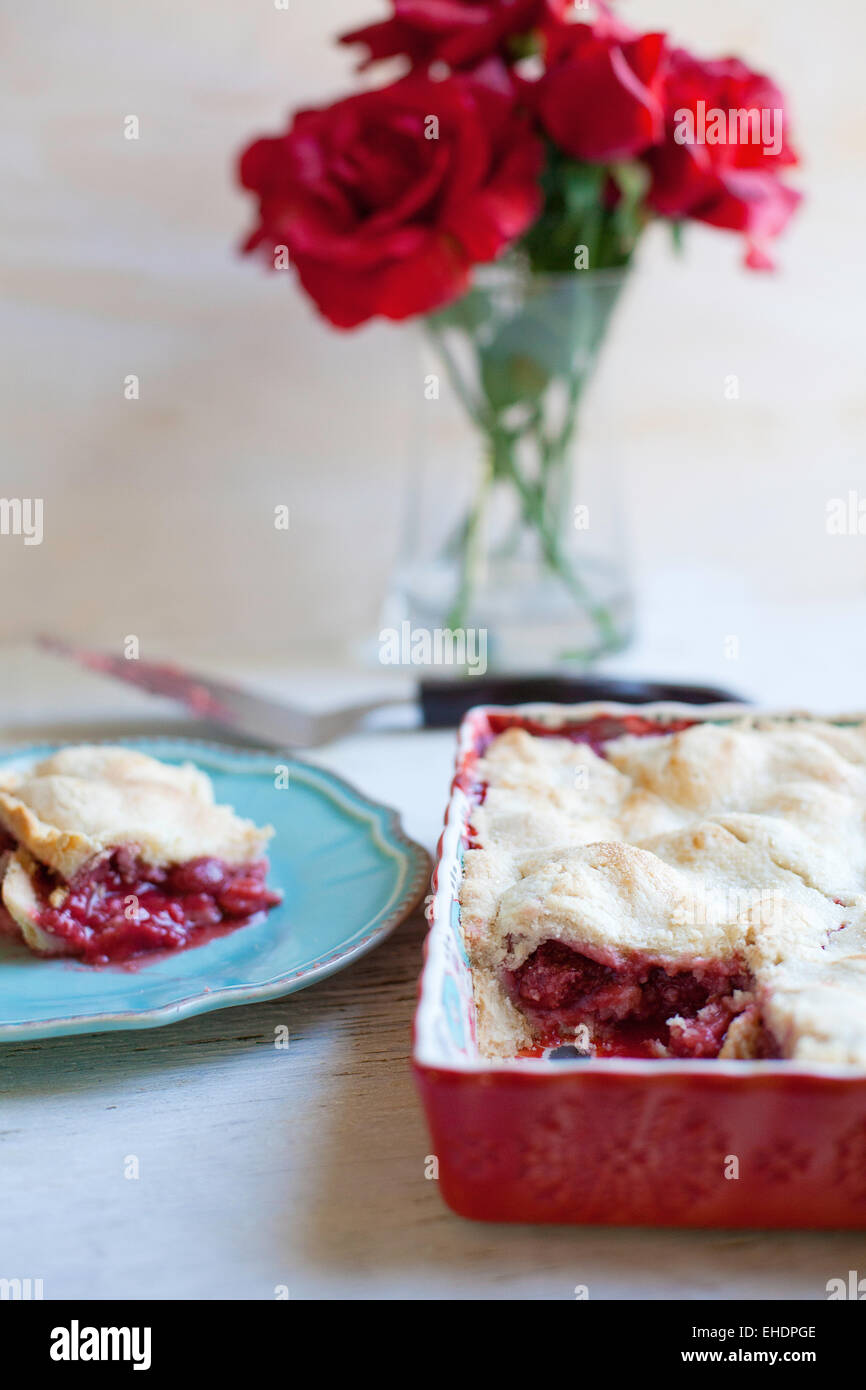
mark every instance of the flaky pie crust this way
{"type": "Point", "coordinates": [87, 799]}
{"type": "Point", "coordinates": [742, 840]}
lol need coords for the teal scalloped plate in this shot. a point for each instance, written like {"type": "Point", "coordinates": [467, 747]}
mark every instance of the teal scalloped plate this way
{"type": "Point", "coordinates": [347, 872]}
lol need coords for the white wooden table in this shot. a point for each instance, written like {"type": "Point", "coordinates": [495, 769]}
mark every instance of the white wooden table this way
{"type": "Point", "coordinates": [261, 1168]}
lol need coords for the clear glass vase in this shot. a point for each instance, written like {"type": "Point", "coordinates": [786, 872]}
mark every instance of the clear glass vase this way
{"type": "Point", "coordinates": [514, 525]}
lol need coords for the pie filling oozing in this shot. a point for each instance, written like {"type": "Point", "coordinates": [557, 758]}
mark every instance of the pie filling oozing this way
{"type": "Point", "coordinates": [615, 1002]}
{"type": "Point", "coordinates": [118, 906]}
{"type": "Point", "coordinates": [634, 1008]}
{"type": "Point", "coordinates": [107, 853]}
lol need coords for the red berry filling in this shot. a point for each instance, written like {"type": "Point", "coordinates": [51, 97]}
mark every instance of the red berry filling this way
{"type": "Point", "coordinates": [629, 1007]}
{"type": "Point", "coordinates": [118, 905]}
{"type": "Point", "coordinates": [596, 732]}
{"type": "Point", "coordinates": [635, 1007]}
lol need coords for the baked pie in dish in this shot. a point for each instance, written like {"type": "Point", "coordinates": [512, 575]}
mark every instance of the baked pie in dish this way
{"type": "Point", "coordinates": [689, 890]}
{"type": "Point", "coordinates": [108, 853]}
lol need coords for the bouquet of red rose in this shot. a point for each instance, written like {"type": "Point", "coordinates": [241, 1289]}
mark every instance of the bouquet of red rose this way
{"type": "Point", "coordinates": [516, 126]}
{"type": "Point", "coordinates": [525, 132]}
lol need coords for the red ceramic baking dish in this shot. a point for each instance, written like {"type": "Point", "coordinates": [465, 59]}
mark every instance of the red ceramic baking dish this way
{"type": "Point", "coordinates": [619, 1140]}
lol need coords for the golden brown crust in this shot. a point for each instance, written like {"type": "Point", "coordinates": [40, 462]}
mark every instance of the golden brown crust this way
{"type": "Point", "coordinates": [501, 1028]}
{"type": "Point", "coordinates": [23, 905]}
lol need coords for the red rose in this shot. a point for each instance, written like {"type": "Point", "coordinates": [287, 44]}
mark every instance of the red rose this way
{"type": "Point", "coordinates": [731, 182]}
{"type": "Point", "coordinates": [385, 200]}
{"type": "Point", "coordinates": [456, 32]}
{"type": "Point", "coordinates": [601, 97]}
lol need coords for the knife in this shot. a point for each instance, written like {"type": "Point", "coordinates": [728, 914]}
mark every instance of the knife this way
{"type": "Point", "coordinates": [442, 703]}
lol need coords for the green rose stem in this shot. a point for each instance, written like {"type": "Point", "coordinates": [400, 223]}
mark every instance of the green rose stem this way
{"type": "Point", "coordinates": [500, 464]}
{"type": "Point", "coordinates": [470, 553]}
{"type": "Point", "coordinates": [533, 498]}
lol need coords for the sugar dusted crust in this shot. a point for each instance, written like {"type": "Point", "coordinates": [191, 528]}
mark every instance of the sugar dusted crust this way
{"type": "Point", "coordinates": [740, 847]}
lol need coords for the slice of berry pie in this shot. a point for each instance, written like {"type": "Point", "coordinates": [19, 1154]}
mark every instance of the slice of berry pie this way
{"type": "Point", "coordinates": [108, 853]}
{"type": "Point", "coordinates": [691, 893]}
